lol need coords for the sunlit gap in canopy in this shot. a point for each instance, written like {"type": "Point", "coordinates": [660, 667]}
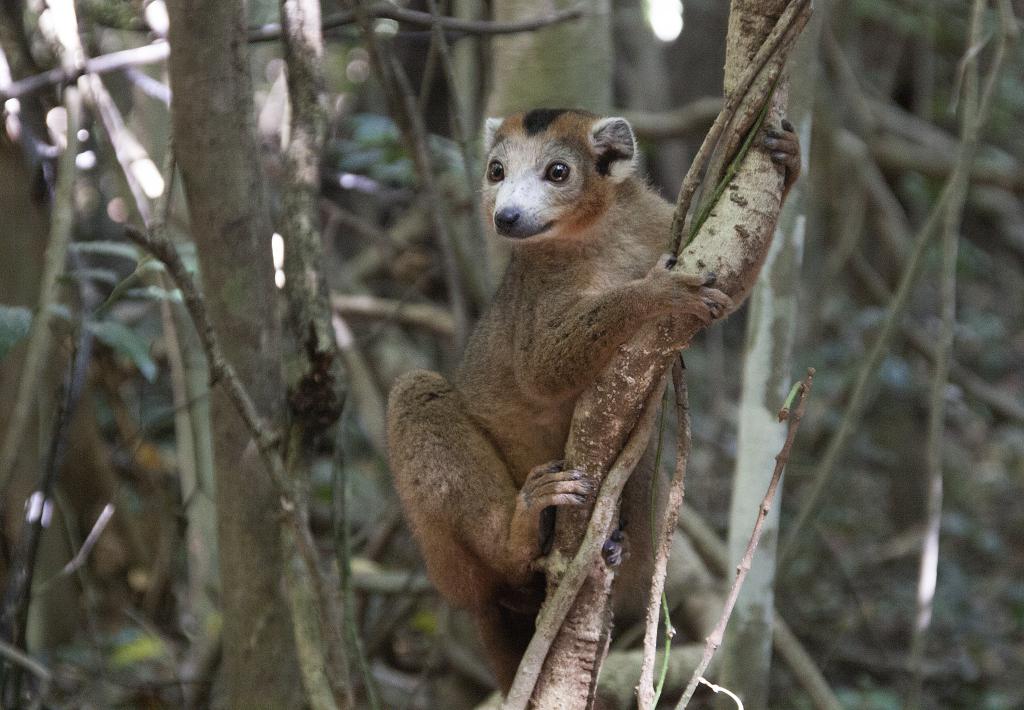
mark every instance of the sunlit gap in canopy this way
{"type": "Point", "coordinates": [665, 18]}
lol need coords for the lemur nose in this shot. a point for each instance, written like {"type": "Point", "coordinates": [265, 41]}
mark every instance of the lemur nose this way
{"type": "Point", "coordinates": [506, 218]}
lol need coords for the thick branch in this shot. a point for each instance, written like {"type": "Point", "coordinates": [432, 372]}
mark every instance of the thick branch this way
{"type": "Point", "coordinates": [575, 573]}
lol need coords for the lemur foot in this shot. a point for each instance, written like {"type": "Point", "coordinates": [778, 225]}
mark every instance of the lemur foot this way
{"type": "Point", "coordinates": [550, 484]}
{"type": "Point", "coordinates": [784, 147]}
{"type": "Point", "coordinates": [613, 550]}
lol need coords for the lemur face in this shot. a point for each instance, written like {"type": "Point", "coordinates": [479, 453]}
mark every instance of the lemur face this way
{"type": "Point", "coordinates": [550, 172]}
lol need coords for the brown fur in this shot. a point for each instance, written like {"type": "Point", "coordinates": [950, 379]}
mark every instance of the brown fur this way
{"type": "Point", "coordinates": [469, 459]}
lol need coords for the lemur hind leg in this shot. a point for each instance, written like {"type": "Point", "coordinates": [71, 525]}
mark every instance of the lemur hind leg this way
{"type": "Point", "coordinates": [454, 488]}
{"type": "Point", "coordinates": [478, 532]}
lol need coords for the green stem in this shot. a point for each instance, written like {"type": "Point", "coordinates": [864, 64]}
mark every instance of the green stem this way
{"type": "Point", "coordinates": [708, 205]}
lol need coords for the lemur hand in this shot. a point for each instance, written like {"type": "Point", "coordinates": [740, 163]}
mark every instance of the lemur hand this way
{"type": "Point", "coordinates": [784, 147]}
{"type": "Point", "coordinates": [689, 293]}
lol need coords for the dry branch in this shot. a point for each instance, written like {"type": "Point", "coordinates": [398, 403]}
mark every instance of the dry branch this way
{"type": "Point", "coordinates": [646, 693]}
{"type": "Point", "coordinates": [420, 315]}
{"type": "Point", "coordinates": [800, 662]}
{"type": "Point", "coordinates": [389, 11]}
{"type": "Point", "coordinates": [794, 415]}
{"type": "Point", "coordinates": [687, 120]}
{"type": "Point", "coordinates": [158, 51]}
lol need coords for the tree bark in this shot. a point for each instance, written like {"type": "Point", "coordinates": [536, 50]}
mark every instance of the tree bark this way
{"type": "Point", "coordinates": [733, 244]}
{"type": "Point", "coordinates": [213, 133]}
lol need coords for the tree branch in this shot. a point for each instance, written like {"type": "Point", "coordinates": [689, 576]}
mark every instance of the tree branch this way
{"type": "Point", "coordinates": [557, 605]}
{"type": "Point", "coordinates": [715, 639]}
{"type": "Point", "coordinates": [389, 11]}
{"type": "Point", "coordinates": [222, 372]}
{"type": "Point", "coordinates": [713, 550]}
{"type": "Point", "coordinates": [647, 694]}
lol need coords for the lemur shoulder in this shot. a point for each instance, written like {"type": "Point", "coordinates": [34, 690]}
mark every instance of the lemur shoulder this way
{"type": "Point", "coordinates": [475, 462]}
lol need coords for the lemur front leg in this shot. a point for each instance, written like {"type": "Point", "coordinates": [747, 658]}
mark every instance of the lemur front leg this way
{"type": "Point", "coordinates": [568, 355]}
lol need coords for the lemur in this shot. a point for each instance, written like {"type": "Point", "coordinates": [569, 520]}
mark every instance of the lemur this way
{"type": "Point", "coordinates": [475, 461]}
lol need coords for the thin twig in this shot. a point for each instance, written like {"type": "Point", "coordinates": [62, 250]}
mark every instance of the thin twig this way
{"type": "Point", "coordinates": [915, 262]}
{"type": "Point", "coordinates": [420, 315]}
{"type": "Point", "coordinates": [461, 136]}
{"type": "Point", "coordinates": [90, 541]}
{"type": "Point", "coordinates": [18, 585]}
{"type": "Point", "coordinates": [801, 664]}
{"type": "Point", "coordinates": [16, 655]}
{"type": "Point", "coordinates": [343, 554]}
{"type": "Point", "coordinates": [135, 57]}
{"type": "Point", "coordinates": [414, 133]}
{"type": "Point", "coordinates": [646, 692]}
{"type": "Point", "coordinates": [556, 607]}
{"type": "Point", "coordinates": [453, 274]}
{"type": "Point", "coordinates": [159, 51]}
{"type": "Point", "coordinates": [389, 11]}
{"type": "Point", "coordinates": [714, 640]}
{"type": "Point", "coordinates": [782, 35]}
{"type": "Point", "coordinates": [998, 400]}
{"type": "Point", "coordinates": [38, 348]}
{"type": "Point", "coordinates": [929, 560]}
{"type": "Point", "coordinates": [687, 120]}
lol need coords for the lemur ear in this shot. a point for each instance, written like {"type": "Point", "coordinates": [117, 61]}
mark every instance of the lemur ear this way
{"type": "Point", "coordinates": [615, 145]}
{"type": "Point", "coordinates": [491, 126]}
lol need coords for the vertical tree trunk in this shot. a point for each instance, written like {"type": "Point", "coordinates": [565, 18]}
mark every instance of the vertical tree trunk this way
{"type": "Point", "coordinates": [213, 133]}
{"type": "Point", "coordinates": [568, 65]}
{"type": "Point", "coordinates": [746, 651]}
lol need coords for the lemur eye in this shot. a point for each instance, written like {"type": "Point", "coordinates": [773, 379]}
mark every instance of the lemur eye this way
{"type": "Point", "coordinates": [557, 171]}
{"type": "Point", "coordinates": [495, 171]}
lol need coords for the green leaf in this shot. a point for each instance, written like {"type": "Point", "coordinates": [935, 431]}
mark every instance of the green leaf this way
{"type": "Point", "coordinates": [146, 263]}
{"type": "Point", "coordinates": [127, 342]}
{"type": "Point", "coordinates": [15, 322]}
{"type": "Point", "coordinates": [138, 650]}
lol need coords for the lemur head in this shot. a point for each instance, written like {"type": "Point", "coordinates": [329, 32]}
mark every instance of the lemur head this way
{"type": "Point", "coordinates": [552, 172]}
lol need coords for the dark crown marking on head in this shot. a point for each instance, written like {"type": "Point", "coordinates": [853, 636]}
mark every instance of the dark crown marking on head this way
{"type": "Point", "coordinates": [538, 120]}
